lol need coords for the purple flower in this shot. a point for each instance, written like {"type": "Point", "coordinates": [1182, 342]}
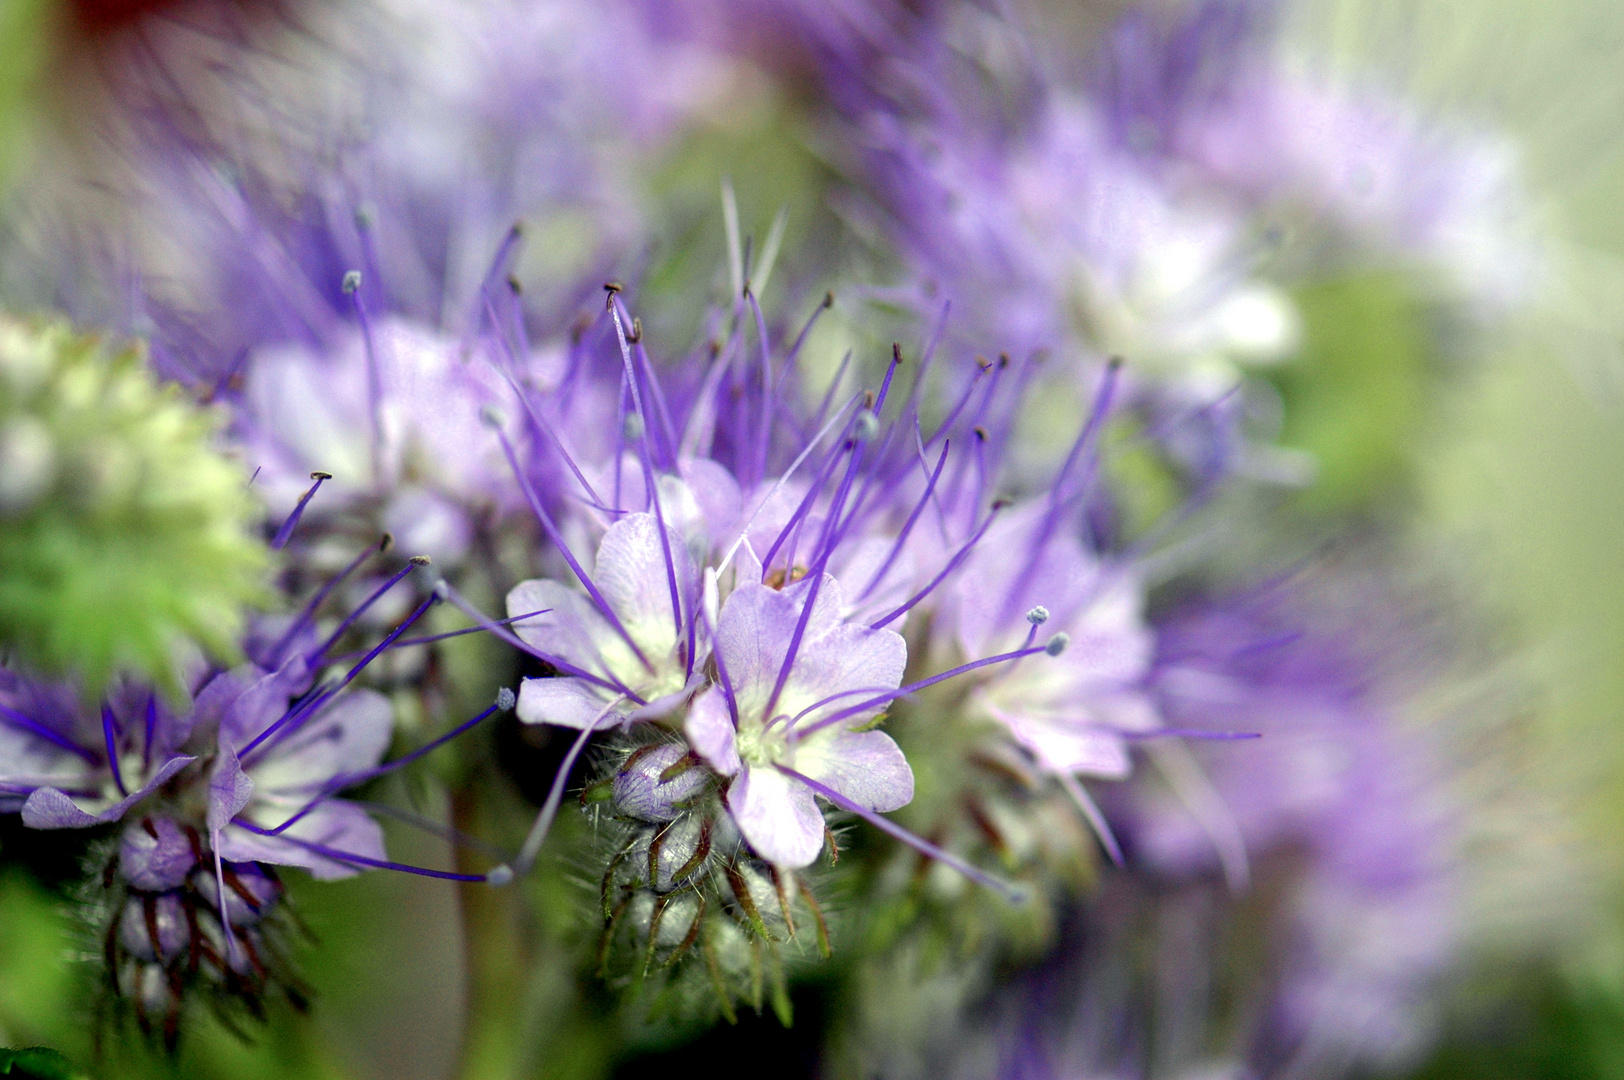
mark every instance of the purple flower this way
{"type": "Point", "coordinates": [1209, 91]}
{"type": "Point", "coordinates": [780, 725]}
{"type": "Point", "coordinates": [1341, 803]}
{"type": "Point", "coordinates": [344, 737]}
{"type": "Point", "coordinates": [627, 658]}
{"type": "Point", "coordinates": [1076, 715]}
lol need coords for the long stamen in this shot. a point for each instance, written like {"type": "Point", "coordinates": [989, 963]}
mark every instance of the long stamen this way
{"type": "Point", "coordinates": [804, 507]}
{"type": "Point", "coordinates": [309, 706]}
{"type": "Point", "coordinates": [542, 425]}
{"type": "Point", "coordinates": [650, 479]}
{"type": "Point", "coordinates": [555, 796]}
{"type": "Point", "coordinates": [1091, 811]}
{"type": "Point", "coordinates": [1087, 440]}
{"type": "Point", "coordinates": [280, 540]}
{"type": "Point", "coordinates": [496, 629]}
{"type": "Point", "coordinates": [431, 638]}
{"type": "Point", "coordinates": [912, 688]}
{"type": "Point", "coordinates": [952, 565]}
{"type": "Point", "coordinates": [352, 859]}
{"type": "Point", "coordinates": [553, 534]}
{"type": "Point", "coordinates": [150, 731]}
{"type": "Point", "coordinates": [721, 670]}
{"type": "Point", "coordinates": [780, 482]}
{"type": "Point", "coordinates": [411, 564]}
{"type": "Point", "coordinates": [825, 549]}
{"type": "Point", "coordinates": [924, 847]}
{"type": "Point", "coordinates": [946, 426]}
{"type": "Point", "coordinates": [667, 432]}
{"type": "Point", "coordinates": [504, 702]}
{"type": "Point", "coordinates": [352, 288]}
{"type": "Point", "coordinates": [434, 828]}
{"type": "Point", "coordinates": [309, 612]}
{"type": "Point", "coordinates": [35, 728]}
{"type": "Point", "coordinates": [110, 736]}
{"type": "Point", "coordinates": [907, 527]}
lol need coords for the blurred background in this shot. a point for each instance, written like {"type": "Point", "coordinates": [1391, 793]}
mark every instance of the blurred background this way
{"type": "Point", "coordinates": [1483, 465]}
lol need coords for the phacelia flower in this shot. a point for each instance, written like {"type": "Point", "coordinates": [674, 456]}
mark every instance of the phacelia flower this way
{"type": "Point", "coordinates": [213, 797]}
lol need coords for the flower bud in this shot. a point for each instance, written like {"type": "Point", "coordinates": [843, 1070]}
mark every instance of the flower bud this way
{"type": "Point", "coordinates": [155, 855]}
{"type": "Point", "coordinates": [656, 781]}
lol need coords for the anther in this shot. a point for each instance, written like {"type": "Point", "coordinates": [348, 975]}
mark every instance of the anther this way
{"type": "Point", "coordinates": [419, 560]}
{"type": "Point", "coordinates": [442, 589]}
{"type": "Point", "coordinates": [866, 426]}
{"type": "Point", "coordinates": [505, 700]}
{"type": "Point", "coordinates": [500, 876]}
{"type": "Point", "coordinates": [1057, 644]}
{"type": "Point", "coordinates": [513, 285]}
{"type": "Point", "coordinates": [1003, 359]}
{"type": "Point", "coordinates": [1038, 615]}
{"type": "Point", "coordinates": [637, 330]}
{"type": "Point", "coordinates": [321, 476]}
{"type": "Point", "coordinates": [491, 417]}
{"type": "Point", "coordinates": [1115, 363]}
{"type": "Point", "coordinates": [983, 363]}
{"type": "Point", "coordinates": [352, 281]}
{"type": "Point", "coordinates": [633, 426]}
{"type": "Point", "coordinates": [896, 353]}
{"type": "Point", "coordinates": [980, 433]}
{"type": "Point", "coordinates": [385, 542]}
{"type": "Point", "coordinates": [828, 300]}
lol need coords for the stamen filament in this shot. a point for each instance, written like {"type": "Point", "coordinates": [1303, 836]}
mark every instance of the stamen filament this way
{"type": "Point", "coordinates": [1010, 892]}
{"type": "Point", "coordinates": [557, 538]}
{"type": "Point", "coordinates": [952, 565]}
{"type": "Point", "coordinates": [35, 728]}
{"type": "Point", "coordinates": [110, 736]}
{"type": "Point", "coordinates": [285, 533]}
{"type": "Point", "coordinates": [360, 860]}
{"type": "Point", "coordinates": [332, 639]}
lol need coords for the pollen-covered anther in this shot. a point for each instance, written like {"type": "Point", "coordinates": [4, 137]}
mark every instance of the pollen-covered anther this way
{"type": "Point", "coordinates": [352, 282]}
{"type": "Point", "coordinates": [1057, 644]}
{"type": "Point", "coordinates": [505, 698]}
{"type": "Point", "coordinates": [500, 876]}
{"type": "Point", "coordinates": [866, 426]}
{"type": "Point", "coordinates": [633, 426]}
{"type": "Point", "coordinates": [1038, 616]}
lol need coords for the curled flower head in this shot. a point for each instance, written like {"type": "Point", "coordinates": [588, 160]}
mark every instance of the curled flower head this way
{"type": "Point", "coordinates": [212, 796]}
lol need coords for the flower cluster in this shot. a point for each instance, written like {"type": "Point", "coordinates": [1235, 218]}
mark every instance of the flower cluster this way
{"type": "Point", "coordinates": [210, 796]}
{"type": "Point", "coordinates": [837, 649]}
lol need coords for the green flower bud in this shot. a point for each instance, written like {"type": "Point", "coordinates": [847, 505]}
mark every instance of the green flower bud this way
{"type": "Point", "coordinates": [123, 530]}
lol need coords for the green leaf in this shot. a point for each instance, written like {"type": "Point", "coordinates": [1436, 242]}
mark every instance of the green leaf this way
{"type": "Point", "coordinates": [36, 1063]}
